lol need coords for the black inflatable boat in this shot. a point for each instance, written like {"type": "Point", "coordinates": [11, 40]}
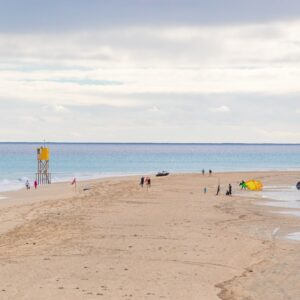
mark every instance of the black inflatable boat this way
{"type": "Point", "coordinates": [163, 173]}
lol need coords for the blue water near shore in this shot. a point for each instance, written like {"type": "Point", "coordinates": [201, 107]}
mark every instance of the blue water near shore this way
{"type": "Point", "coordinates": [85, 161]}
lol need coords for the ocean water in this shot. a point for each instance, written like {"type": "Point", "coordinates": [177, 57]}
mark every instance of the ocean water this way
{"type": "Point", "coordinates": [84, 161]}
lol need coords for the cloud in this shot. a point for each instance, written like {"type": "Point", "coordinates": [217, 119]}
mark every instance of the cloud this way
{"type": "Point", "coordinates": [260, 58]}
{"type": "Point", "coordinates": [60, 108]}
{"type": "Point", "coordinates": [169, 78]}
{"type": "Point", "coordinates": [181, 118]}
{"type": "Point", "coordinates": [31, 119]}
{"type": "Point", "coordinates": [281, 135]}
{"type": "Point", "coordinates": [79, 81]}
{"type": "Point", "coordinates": [220, 109]}
{"type": "Point", "coordinates": [154, 109]}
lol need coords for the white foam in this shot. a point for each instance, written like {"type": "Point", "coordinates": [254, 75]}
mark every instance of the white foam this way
{"type": "Point", "coordinates": [294, 236]}
{"type": "Point", "coordinates": [290, 212]}
{"type": "Point", "coordinates": [282, 193]}
{"type": "Point", "coordinates": [281, 196]}
{"type": "Point", "coordinates": [17, 184]}
{"type": "Point", "coordinates": [282, 204]}
{"type": "Point", "coordinates": [11, 185]}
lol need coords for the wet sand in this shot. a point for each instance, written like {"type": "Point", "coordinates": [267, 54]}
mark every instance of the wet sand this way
{"type": "Point", "coordinates": [119, 241]}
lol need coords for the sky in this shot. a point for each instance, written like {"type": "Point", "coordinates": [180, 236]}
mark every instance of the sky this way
{"type": "Point", "coordinates": [150, 71]}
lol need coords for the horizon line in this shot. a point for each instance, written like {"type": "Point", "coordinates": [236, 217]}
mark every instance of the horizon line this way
{"type": "Point", "coordinates": [153, 143]}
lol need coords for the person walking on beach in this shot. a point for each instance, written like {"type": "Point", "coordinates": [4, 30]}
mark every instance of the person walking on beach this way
{"type": "Point", "coordinates": [35, 184]}
{"type": "Point", "coordinates": [148, 182]}
{"type": "Point", "coordinates": [218, 190]}
{"type": "Point", "coordinates": [210, 172]}
{"type": "Point", "coordinates": [27, 184]}
{"type": "Point", "coordinates": [142, 181]}
{"type": "Point", "coordinates": [205, 191]}
{"type": "Point", "coordinates": [203, 172]}
{"type": "Point", "coordinates": [74, 182]}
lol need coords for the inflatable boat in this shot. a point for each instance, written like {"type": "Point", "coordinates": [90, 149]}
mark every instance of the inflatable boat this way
{"type": "Point", "coordinates": [163, 173]}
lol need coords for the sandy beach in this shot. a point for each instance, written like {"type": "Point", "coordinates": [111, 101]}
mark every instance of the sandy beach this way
{"type": "Point", "coordinates": [117, 240]}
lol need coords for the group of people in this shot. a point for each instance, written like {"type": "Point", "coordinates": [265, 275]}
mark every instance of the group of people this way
{"type": "Point", "coordinates": [228, 192]}
{"type": "Point", "coordinates": [209, 172]}
{"type": "Point", "coordinates": [27, 184]}
{"type": "Point", "coordinates": [145, 180]}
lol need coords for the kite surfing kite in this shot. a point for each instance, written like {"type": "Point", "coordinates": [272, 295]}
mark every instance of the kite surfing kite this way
{"type": "Point", "coordinates": [252, 185]}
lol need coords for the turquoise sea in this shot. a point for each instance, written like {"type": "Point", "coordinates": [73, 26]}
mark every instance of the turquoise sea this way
{"type": "Point", "coordinates": [84, 161]}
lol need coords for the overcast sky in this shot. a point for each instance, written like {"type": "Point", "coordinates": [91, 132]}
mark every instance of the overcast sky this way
{"type": "Point", "coordinates": [150, 71]}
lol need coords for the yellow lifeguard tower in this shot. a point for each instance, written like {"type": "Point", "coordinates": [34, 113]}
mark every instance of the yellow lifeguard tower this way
{"type": "Point", "coordinates": [43, 176]}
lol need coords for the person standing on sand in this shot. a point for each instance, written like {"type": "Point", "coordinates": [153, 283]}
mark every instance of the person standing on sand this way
{"type": "Point", "coordinates": [142, 181]}
{"type": "Point", "coordinates": [210, 172]}
{"type": "Point", "coordinates": [27, 184]}
{"type": "Point", "coordinates": [148, 182]}
{"type": "Point", "coordinates": [229, 190]}
{"type": "Point", "coordinates": [35, 184]}
{"type": "Point", "coordinates": [218, 190]}
{"type": "Point", "coordinates": [205, 190]}
{"type": "Point", "coordinates": [203, 172]}
{"type": "Point", "coordinates": [74, 182]}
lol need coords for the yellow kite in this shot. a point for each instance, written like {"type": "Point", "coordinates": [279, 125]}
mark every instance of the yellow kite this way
{"type": "Point", "coordinates": [254, 185]}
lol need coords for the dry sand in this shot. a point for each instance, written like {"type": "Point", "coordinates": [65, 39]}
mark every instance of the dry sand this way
{"type": "Point", "coordinates": [119, 241]}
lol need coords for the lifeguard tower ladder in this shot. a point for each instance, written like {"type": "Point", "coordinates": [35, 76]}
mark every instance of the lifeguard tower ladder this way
{"type": "Point", "coordinates": [43, 176]}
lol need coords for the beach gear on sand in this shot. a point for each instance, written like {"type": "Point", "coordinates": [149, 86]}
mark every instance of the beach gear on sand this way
{"type": "Point", "coordinates": [254, 185]}
{"type": "Point", "coordinates": [298, 186]}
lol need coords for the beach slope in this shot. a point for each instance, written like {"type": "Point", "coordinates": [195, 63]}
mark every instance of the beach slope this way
{"type": "Point", "coordinates": [117, 240]}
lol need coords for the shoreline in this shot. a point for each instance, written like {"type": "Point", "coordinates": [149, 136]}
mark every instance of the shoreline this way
{"type": "Point", "coordinates": [62, 189]}
{"type": "Point", "coordinates": [57, 189]}
{"type": "Point", "coordinates": [118, 241]}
